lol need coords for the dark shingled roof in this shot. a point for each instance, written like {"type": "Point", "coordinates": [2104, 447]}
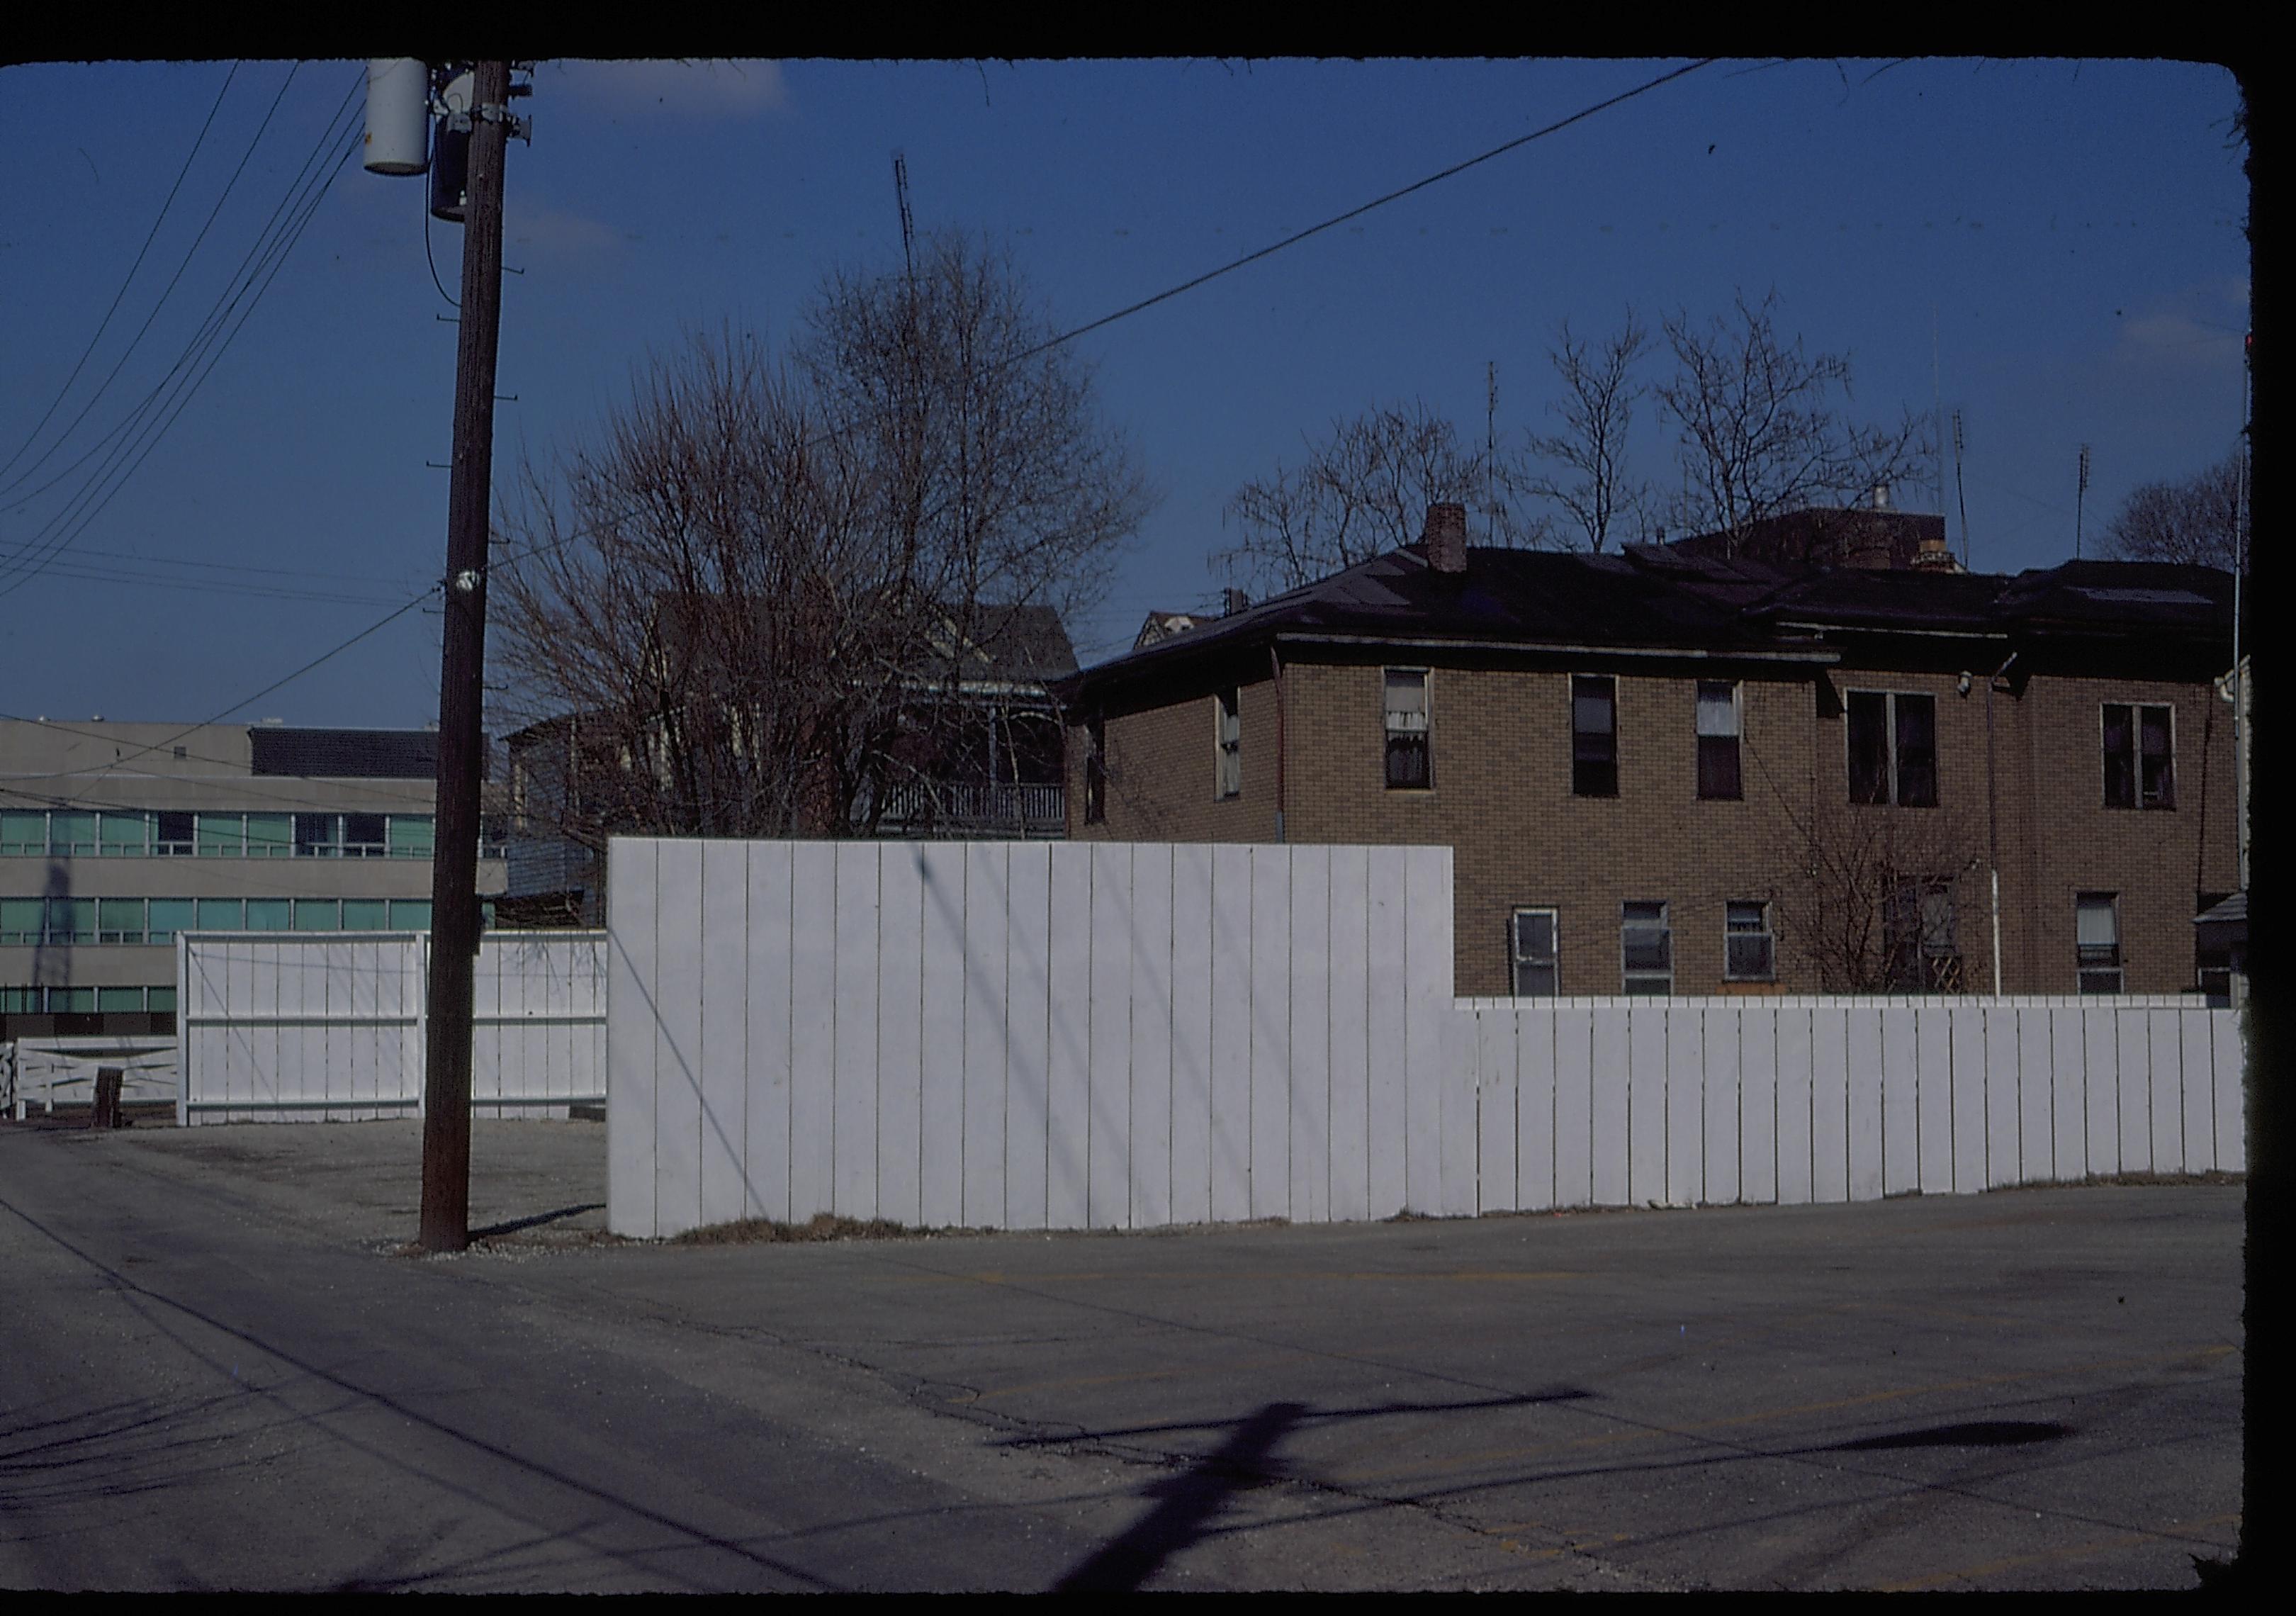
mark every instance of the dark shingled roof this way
{"type": "Point", "coordinates": [1685, 596]}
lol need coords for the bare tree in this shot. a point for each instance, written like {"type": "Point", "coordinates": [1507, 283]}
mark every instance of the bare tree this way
{"type": "Point", "coordinates": [1882, 903]}
{"type": "Point", "coordinates": [1762, 428]}
{"type": "Point", "coordinates": [1582, 469]}
{"type": "Point", "coordinates": [1361, 491]}
{"type": "Point", "coordinates": [2201, 521]}
{"type": "Point", "coordinates": [767, 582]}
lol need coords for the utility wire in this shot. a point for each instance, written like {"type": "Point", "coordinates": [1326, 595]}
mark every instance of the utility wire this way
{"type": "Point", "coordinates": [104, 324]}
{"type": "Point", "coordinates": [183, 264]}
{"type": "Point", "coordinates": [60, 531]}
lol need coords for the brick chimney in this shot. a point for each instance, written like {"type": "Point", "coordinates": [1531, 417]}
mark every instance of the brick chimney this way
{"type": "Point", "coordinates": [1935, 555]}
{"type": "Point", "coordinates": [1446, 538]}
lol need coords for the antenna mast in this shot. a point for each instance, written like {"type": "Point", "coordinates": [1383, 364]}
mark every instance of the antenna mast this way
{"type": "Point", "coordinates": [2080, 501]}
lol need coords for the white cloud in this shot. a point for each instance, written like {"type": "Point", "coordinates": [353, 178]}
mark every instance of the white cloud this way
{"type": "Point", "coordinates": [555, 233]}
{"type": "Point", "coordinates": [693, 89]}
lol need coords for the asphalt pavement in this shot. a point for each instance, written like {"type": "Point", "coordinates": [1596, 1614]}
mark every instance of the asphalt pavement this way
{"type": "Point", "coordinates": [223, 1370]}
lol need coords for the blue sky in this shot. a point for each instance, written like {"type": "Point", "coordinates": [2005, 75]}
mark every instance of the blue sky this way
{"type": "Point", "coordinates": [2063, 237]}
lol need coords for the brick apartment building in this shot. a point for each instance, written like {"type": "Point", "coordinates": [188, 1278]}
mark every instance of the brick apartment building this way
{"type": "Point", "coordinates": [1799, 767]}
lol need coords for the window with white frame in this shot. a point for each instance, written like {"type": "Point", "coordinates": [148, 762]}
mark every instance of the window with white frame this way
{"type": "Point", "coordinates": [2140, 755]}
{"type": "Point", "coordinates": [1227, 730]}
{"type": "Point", "coordinates": [2097, 942]}
{"type": "Point", "coordinates": [1750, 951]}
{"type": "Point", "coordinates": [1892, 747]}
{"type": "Point", "coordinates": [1409, 767]}
{"type": "Point", "coordinates": [1645, 949]}
{"type": "Point", "coordinates": [1533, 947]}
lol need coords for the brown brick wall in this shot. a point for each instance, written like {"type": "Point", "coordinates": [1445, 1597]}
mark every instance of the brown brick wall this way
{"type": "Point", "coordinates": [1501, 798]}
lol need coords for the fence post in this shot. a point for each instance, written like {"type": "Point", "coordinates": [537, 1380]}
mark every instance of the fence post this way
{"type": "Point", "coordinates": [106, 1112]}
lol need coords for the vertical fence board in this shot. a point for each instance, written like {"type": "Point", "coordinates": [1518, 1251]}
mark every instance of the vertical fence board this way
{"type": "Point", "coordinates": [1497, 1097]}
{"type": "Point", "coordinates": [1385, 1022]}
{"type": "Point", "coordinates": [1028, 1031]}
{"type": "Point", "coordinates": [1574, 1106]}
{"type": "Point", "coordinates": [1192, 1034]}
{"type": "Point", "coordinates": [1610, 1112]}
{"type": "Point", "coordinates": [1933, 1097]}
{"type": "Point", "coordinates": [772, 980]}
{"type": "Point", "coordinates": [723, 1048]}
{"type": "Point", "coordinates": [2100, 1053]}
{"type": "Point", "coordinates": [1149, 1162]}
{"type": "Point", "coordinates": [1972, 1092]}
{"type": "Point", "coordinates": [1645, 1085]}
{"type": "Point", "coordinates": [632, 1160]}
{"type": "Point", "coordinates": [1901, 1117]}
{"type": "Point", "coordinates": [1271, 1031]}
{"type": "Point", "coordinates": [1309, 1160]}
{"type": "Point", "coordinates": [1533, 1035]}
{"type": "Point", "coordinates": [944, 961]}
{"type": "Point", "coordinates": [2197, 1089]}
{"type": "Point", "coordinates": [1686, 1105]}
{"type": "Point", "coordinates": [2004, 1094]}
{"type": "Point", "coordinates": [1724, 1095]}
{"type": "Point", "coordinates": [2132, 1069]}
{"type": "Point", "coordinates": [2229, 1072]}
{"type": "Point", "coordinates": [817, 939]}
{"type": "Point", "coordinates": [1109, 1121]}
{"type": "Point", "coordinates": [1830, 1104]}
{"type": "Point", "coordinates": [2165, 1089]}
{"type": "Point", "coordinates": [1758, 1105]}
{"type": "Point", "coordinates": [1069, 1093]}
{"type": "Point", "coordinates": [900, 1033]}
{"type": "Point", "coordinates": [853, 1135]}
{"type": "Point", "coordinates": [1350, 1056]}
{"type": "Point", "coordinates": [987, 1051]}
{"type": "Point", "coordinates": [1868, 1075]}
{"type": "Point", "coordinates": [1230, 1072]}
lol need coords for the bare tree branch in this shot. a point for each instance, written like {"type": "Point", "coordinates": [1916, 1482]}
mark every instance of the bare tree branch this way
{"type": "Point", "coordinates": [1583, 468]}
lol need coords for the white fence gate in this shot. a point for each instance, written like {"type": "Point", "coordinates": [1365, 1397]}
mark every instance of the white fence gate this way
{"type": "Point", "coordinates": [331, 1026]}
{"type": "Point", "coordinates": [1115, 1035]}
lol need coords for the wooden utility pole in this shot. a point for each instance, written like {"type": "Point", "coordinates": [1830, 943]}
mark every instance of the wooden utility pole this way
{"type": "Point", "coordinates": [454, 860]}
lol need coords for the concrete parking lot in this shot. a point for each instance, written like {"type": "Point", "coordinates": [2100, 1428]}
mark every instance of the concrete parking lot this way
{"type": "Point", "coordinates": [223, 1372]}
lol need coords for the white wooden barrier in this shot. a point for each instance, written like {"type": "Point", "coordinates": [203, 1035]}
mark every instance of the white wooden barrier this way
{"type": "Point", "coordinates": [330, 1026]}
{"type": "Point", "coordinates": [1029, 1035]}
{"type": "Point", "coordinates": [43, 1071]}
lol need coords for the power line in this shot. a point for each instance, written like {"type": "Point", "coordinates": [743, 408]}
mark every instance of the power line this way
{"type": "Point", "coordinates": [182, 265]}
{"type": "Point", "coordinates": [268, 258]}
{"type": "Point", "coordinates": [104, 324]}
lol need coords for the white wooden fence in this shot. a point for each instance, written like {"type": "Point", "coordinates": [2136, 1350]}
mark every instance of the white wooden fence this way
{"type": "Point", "coordinates": [331, 1026]}
{"type": "Point", "coordinates": [44, 1072]}
{"type": "Point", "coordinates": [1116, 1035]}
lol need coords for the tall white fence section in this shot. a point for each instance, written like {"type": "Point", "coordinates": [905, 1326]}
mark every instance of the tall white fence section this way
{"type": "Point", "coordinates": [1115, 1035]}
{"type": "Point", "coordinates": [331, 1026]}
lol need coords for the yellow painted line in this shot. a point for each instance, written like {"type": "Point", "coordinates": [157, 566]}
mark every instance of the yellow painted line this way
{"type": "Point", "coordinates": [1990, 1566]}
{"type": "Point", "coordinates": [1863, 1400]}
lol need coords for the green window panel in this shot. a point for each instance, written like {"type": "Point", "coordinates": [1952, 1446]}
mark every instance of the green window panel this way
{"type": "Point", "coordinates": [270, 914]}
{"type": "Point", "coordinates": [20, 920]}
{"type": "Point", "coordinates": [410, 914]}
{"type": "Point", "coordinates": [412, 835]}
{"type": "Point", "coordinates": [318, 914]}
{"type": "Point", "coordinates": [170, 915]}
{"type": "Point", "coordinates": [24, 835]}
{"type": "Point", "coordinates": [19, 1001]}
{"type": "Point", "coordinates": [271, 835]}
{"type": "Point", "coordinates": [119, 998]}
{"type": "Point", "coordinates": [120, 920]}
{"type": "Point", "coordinates": [126, 835]}
{"type": "Point", "coordinates": [221, 914]}
{"type": "Point", "coordinates": [72, 1001]}
{"type": "Point", "coordinates": [486, 914]}
{"type": "Point", "coordinates": [365, 914]}
{"type": "Point", "coordinates": [71, 833]}
{"type": "Point", "coordinates": [222, 835]}
{"type": "Point", "coordinates": [71, 920]}
{"type": "Point", "coordinates": [162, 1001]}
